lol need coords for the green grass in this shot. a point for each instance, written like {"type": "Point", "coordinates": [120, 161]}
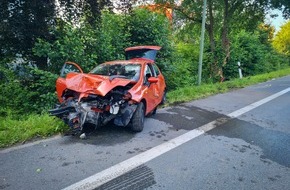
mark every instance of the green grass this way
{"type": "Point", "coordinates": [196, 92]}
{"type": "Point", "coordinates": [33, 126]}
{"type": "Point", "coordinates": [14, 131]}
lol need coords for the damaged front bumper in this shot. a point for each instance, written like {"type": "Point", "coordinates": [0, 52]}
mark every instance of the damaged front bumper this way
{"type": "Point", "coordinates": [77, 114]}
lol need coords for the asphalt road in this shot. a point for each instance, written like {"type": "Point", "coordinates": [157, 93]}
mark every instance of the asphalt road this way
{"type": "Point", "coordinates": [204, 144]}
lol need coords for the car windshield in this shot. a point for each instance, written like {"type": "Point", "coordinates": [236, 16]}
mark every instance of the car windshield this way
{"type": "Point", "coordinates": [119, 70]}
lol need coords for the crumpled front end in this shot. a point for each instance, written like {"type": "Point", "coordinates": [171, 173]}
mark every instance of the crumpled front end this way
{"type": "Point", "coordinates": [79, 109]}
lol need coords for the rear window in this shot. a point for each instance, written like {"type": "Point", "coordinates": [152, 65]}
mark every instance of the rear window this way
{"type": "Point", "coordinates": [141, 53]}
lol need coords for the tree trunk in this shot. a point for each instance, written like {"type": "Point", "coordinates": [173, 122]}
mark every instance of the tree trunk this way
{"type": "Point", "coordinates": [225, 38]}
{"type": "Point", "coordinates": [210, 29]}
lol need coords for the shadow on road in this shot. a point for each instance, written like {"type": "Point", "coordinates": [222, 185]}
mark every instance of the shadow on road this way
{"type": "Point", "coordinates": [108, 135]}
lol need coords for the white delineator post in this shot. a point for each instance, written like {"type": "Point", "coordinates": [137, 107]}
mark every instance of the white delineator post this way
{"type": "Point", "coordinates": [240, 70]}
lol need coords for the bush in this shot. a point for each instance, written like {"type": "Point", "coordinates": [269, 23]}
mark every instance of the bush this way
{"type": "Point", "coordinates": [184, 67]}
{"type": "Point", "coordinates": [41, 84]}
{"type": "Point", "coordinates": [72, 44]}
{"type": "Point", "coordinates": [25, 91]}
{"type": "Point", "coordinates": [12, 94]}
{"type": "Point", "coordinates": [255, 57]}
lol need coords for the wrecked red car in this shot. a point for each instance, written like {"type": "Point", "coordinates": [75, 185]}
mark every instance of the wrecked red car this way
{"type": "Point", "coordinates": [123, 91]}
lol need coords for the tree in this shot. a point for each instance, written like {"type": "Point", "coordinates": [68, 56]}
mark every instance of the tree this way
{"type": "Point", "coordinates": [283, 5]}
{"type": "Point", "coordinates": [223, 18]}
{"type": "Point", "coordinates": [74, 11]}
{"type": "Point", "coordinates": [281, 41]}
{"type": "Point", "coordinates": [21, 23]}
{"type": "Point", "coordinates": [124, 6]}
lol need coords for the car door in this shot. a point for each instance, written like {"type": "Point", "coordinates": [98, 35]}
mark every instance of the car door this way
{"type": "Point", "coordinates": [68, 67]}
{"type": "Point", "coordinates": [160, 83]}
{"type": "Point", "coordinates": [152, 93]}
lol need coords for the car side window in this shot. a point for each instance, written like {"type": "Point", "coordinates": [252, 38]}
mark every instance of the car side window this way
{"type": "Point", "coordinates": [156, 69]}
{"type": "Point", "coordinates": [148, 73]}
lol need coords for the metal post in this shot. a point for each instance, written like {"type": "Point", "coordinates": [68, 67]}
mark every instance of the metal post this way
{"type": "Point", "coordinates": [201, 42]}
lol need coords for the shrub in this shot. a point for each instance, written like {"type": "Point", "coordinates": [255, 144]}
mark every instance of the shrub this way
{"type": "Point", "coordinates": [255, 57]}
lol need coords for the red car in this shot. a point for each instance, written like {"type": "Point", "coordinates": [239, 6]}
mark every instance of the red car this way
{"type": "Point", "coordinates": [123, 91]}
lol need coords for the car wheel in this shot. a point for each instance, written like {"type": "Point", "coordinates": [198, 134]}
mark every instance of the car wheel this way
{"type": "Point", "coordinates": [154, 111]}
{"type": "Point", "coordinates": [163, 101]}
{"type": "Point", "coordinates": [137, 121]}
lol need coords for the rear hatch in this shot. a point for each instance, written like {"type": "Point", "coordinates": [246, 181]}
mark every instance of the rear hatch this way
{"type": "Point", "coordinates": [147, 52]}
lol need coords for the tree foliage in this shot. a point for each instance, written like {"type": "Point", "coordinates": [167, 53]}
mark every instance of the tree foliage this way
{"type": "Point", "coordinates": [281, 41]}
{"type": "Point", "coordinates": [283, 5]}
{"type": "Point", "coordinates": [74, 44]}
{"type": "Point", "coordinates": [74, 11]}
{"type": "Point", "coordinates": [21, 23]}
{"type": "Point", "coordinates": [88, 45]}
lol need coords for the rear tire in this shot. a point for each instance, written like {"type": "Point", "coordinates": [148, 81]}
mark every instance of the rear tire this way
{"type": "Point", "coordinates": [163, 101]}
{"type": "Point", "coordinates": [137, 121]}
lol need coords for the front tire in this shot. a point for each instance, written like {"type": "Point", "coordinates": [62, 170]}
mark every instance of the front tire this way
{"type": "Point", "coordinates": [137, 121]}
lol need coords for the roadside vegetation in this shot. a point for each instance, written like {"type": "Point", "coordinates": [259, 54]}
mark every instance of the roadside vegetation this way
{"type": "Point", "coordinates": [186, 94]}
{"type": "Point", "coordinates": [36, 40]}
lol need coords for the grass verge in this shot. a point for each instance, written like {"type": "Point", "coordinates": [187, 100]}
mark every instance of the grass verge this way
{"type": "Point", "coordinates": [196, 92]}
{"type": "Point", "coordinates": [14, 131]}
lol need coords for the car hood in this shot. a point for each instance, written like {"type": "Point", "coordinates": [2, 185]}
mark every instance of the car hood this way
{"type": "Point", "coordinates": [93, 84]}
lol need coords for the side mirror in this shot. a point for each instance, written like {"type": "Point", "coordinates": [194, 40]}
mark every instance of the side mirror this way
{"type": "Point", "coordinates": [153, 80]}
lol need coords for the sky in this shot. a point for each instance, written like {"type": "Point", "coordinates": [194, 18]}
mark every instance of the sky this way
{"type": "Point", "coordinates": [276, 22]}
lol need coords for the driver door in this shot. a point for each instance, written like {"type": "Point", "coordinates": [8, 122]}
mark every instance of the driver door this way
{"type": "Point", "coordinates": [68, 67]}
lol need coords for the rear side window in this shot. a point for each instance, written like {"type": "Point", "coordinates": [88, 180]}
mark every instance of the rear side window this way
{"type": "Point", "coordinates": [156, 70]}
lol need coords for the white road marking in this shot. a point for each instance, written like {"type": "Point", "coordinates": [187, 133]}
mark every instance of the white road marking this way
{"type": "Point", "coordinates": [256, 104]}
{"type": "Point", "coordinates": [119, 169]}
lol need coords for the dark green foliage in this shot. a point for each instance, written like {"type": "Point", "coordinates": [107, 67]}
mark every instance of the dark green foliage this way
{"type": "Point", "coordinates": [72, 44]}
{"type": "Point", "coordinates": [10, 89]}
{"type": "Point", "coordinates": [254, 53]}
{"type": "Point", "coordinates": [184, 67]}
{"type": "Point", "coordinates": [42, 83]}
{"type": "Point", "coordinates": [21, 23]}
{"type": "Point", "coordinates": [75, 11]}
{"type": "Point", "coordinates": [113, 37]}
{"type": "Point", "coordinates": [26, 90]}
{"type": "Point", "coordinates": [89, 46]}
